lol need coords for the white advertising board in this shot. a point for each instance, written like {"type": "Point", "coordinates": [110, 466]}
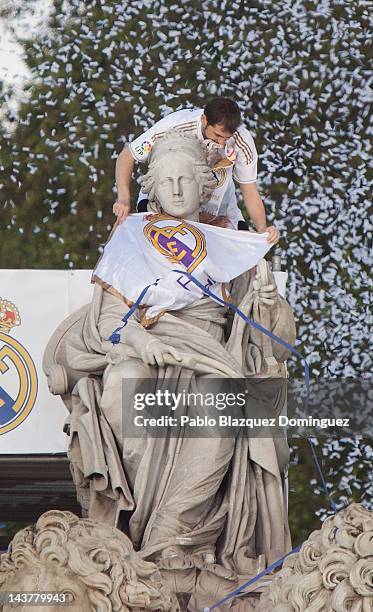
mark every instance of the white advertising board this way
{"type": "Point", "coordinates": [32, 304]}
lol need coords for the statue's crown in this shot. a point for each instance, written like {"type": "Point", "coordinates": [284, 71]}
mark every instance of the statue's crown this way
{"type": "Point", "coordinates": [9, 316]}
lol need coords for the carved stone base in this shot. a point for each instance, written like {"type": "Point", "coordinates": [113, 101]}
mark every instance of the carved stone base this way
{"type": "Point", "coordinates": [333, 570]}
{"type": "Point", "coordinates": [93, 563]}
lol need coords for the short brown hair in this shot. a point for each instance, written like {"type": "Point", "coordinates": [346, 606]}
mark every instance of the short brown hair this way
{"type": "Point", "coordinates": [223, 111]}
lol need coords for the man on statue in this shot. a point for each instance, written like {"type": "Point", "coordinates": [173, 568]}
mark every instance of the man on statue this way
{"type": "Point", "coordinates": [231, 154]}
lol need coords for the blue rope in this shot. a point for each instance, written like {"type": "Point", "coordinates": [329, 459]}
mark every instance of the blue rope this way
{"type": "Point", "coordinates": [265, 331]}
{"type": "Point", "coordinates": [244, 586]}
{"type": "Point", "coordinates": [115, 339]}
{"type": "Point", "coordinates": [333, 506]}
{"type": "Point", "coordinates": [251, 322]}
{"type": "Point", "coordinates": [279, 561]}
{"type": "Point", "coordinates": [283, 343]}
{"type": "Point", "coordinates": [280, 341]}
{"type": "Point", "coordinates": [115, 336]}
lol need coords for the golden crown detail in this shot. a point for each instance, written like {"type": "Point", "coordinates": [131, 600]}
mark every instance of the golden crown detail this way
{"type": "Point", "coordinates": [9, 316]}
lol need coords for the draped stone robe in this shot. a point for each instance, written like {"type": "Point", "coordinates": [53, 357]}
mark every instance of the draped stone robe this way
{"type": "Point", "coordinates": [179, 498]}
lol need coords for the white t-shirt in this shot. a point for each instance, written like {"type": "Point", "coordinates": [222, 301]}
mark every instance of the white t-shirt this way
{"type": "Point", "coordinates": [239, 150]}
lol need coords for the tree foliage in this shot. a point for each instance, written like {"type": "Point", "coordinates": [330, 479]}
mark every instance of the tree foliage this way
{"type": "Point", "coordinates": [105, 70]}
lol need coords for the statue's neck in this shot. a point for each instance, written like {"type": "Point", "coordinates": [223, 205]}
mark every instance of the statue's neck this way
{"type": "Point", "coordinates": [193, 217]}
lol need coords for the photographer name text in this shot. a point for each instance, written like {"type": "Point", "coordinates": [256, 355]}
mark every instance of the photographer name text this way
{"type": "Point", "coordinates": [223, 420]}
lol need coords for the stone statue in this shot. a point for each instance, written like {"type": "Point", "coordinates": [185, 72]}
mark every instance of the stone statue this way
{"type": "Point", "coordinates": [333, 570]}
{"type": "Point", "coordinates": [208, 511]}
{"type": "Point", "coordinates": [178, 175]}
{"type": "Point", "coordinates": [93, 563]}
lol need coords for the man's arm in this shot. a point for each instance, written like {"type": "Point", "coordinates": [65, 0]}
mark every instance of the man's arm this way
{"type": "Point", "coordinates": [255, 208]}
{"type": "Point", "coordinates": [138, 151]}
{"type": "Point", "coordinates": [123, 176]}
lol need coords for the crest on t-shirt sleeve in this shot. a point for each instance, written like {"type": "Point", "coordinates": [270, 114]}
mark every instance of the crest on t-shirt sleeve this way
{"type": "Point", "coordinates": [141, 148]}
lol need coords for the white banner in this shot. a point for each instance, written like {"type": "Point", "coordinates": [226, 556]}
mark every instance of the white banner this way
{"type": "Point", "coordinates": [153, 249]}
{"type": "Point", "coordinates": [32, 304]}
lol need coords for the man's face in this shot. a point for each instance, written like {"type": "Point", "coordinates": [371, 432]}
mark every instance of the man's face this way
{"type": "Point", "coordinates": [217, 133]}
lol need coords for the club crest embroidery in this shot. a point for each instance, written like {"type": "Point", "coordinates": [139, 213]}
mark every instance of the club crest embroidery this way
{"type": "Point", "coordinates": [230, 153]}
{"type": "Point", "coordinates": [144, 148]}
{"type": "Point", "coordinates": [18, 377]}
{"type": "Point", "coordinates": [177, 240]}
{"type": "Point", "coordinates": [220, 175]}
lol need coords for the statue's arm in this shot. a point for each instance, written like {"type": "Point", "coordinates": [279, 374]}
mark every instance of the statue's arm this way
{"type": "Point", "coordinates": [148, 348]}
{"type": "Point", "coordinates": [255, 207]}
{"type": "Point", "coordinates": [135, 340]}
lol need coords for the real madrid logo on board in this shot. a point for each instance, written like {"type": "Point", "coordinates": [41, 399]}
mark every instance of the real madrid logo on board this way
{"type": "Point", "coordinates": [177, 240]}
{"type": "Point", "coordinates": [18, 378]}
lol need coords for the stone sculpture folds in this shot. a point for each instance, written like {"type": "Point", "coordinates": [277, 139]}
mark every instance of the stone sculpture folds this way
{"type": "Point", "coordinates": [202, 509]}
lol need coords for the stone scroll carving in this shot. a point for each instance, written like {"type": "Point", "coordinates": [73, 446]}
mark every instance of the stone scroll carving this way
{"type": "Point", "coordinates": [93, 563]}
{"type": "Point", "coordinates": [333, 570]}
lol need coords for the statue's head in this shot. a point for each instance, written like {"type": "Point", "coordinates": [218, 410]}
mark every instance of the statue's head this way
{"type": "Point", "coordinates": [178, 179]}
{"type": "Point", "coordinates": [94, 563]}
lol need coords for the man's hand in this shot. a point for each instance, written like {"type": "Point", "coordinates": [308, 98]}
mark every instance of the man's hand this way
{"type": "Point", "coordinates": [273, 234]}
{"type": "Point", "coordinates": [219, 221]}
{"type": "Point", "coordinates": [255, 208]}
{"type": "Point", "coordinates": [121, 209]}
{"type": "Point", "coordinates": [123, 175]}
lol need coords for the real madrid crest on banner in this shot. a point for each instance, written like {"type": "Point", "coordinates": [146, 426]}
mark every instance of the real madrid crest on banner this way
{"type": "Point", "coordinates": [220, 175]}
{"type": "Point", "coordinates": [177, 240]}
{"type": "Point", "coordinates": [18, 378]}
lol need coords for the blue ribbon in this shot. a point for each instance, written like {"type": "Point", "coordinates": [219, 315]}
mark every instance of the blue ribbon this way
{"type": "Point", "coordinates": [283, 343]}
{"type": "Point", "coordinates": [115, 336]}
{"type": "Point", "coordinates": [265, 331]}
{"type": "Point", "coordinates": [279, 562]}
{"type": "Point", "coordinates": [332, 504]}
{"type": "Point", "coordinates": [257, 326]}
{"type": "Point", "coordinates": [253, 580]}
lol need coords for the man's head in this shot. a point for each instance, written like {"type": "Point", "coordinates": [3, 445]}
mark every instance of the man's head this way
{"type": "Point", "coordinates": [220, 120]}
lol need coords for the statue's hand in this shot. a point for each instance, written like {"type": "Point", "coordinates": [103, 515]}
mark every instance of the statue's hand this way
{"type": "Point", "coordinates": [155, 352]}
{"type": "Point", "coordinates": [253, 359]}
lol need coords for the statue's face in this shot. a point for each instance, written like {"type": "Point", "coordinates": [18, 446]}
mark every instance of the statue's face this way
{"type": "Point", "coordinates": [176, 188]}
